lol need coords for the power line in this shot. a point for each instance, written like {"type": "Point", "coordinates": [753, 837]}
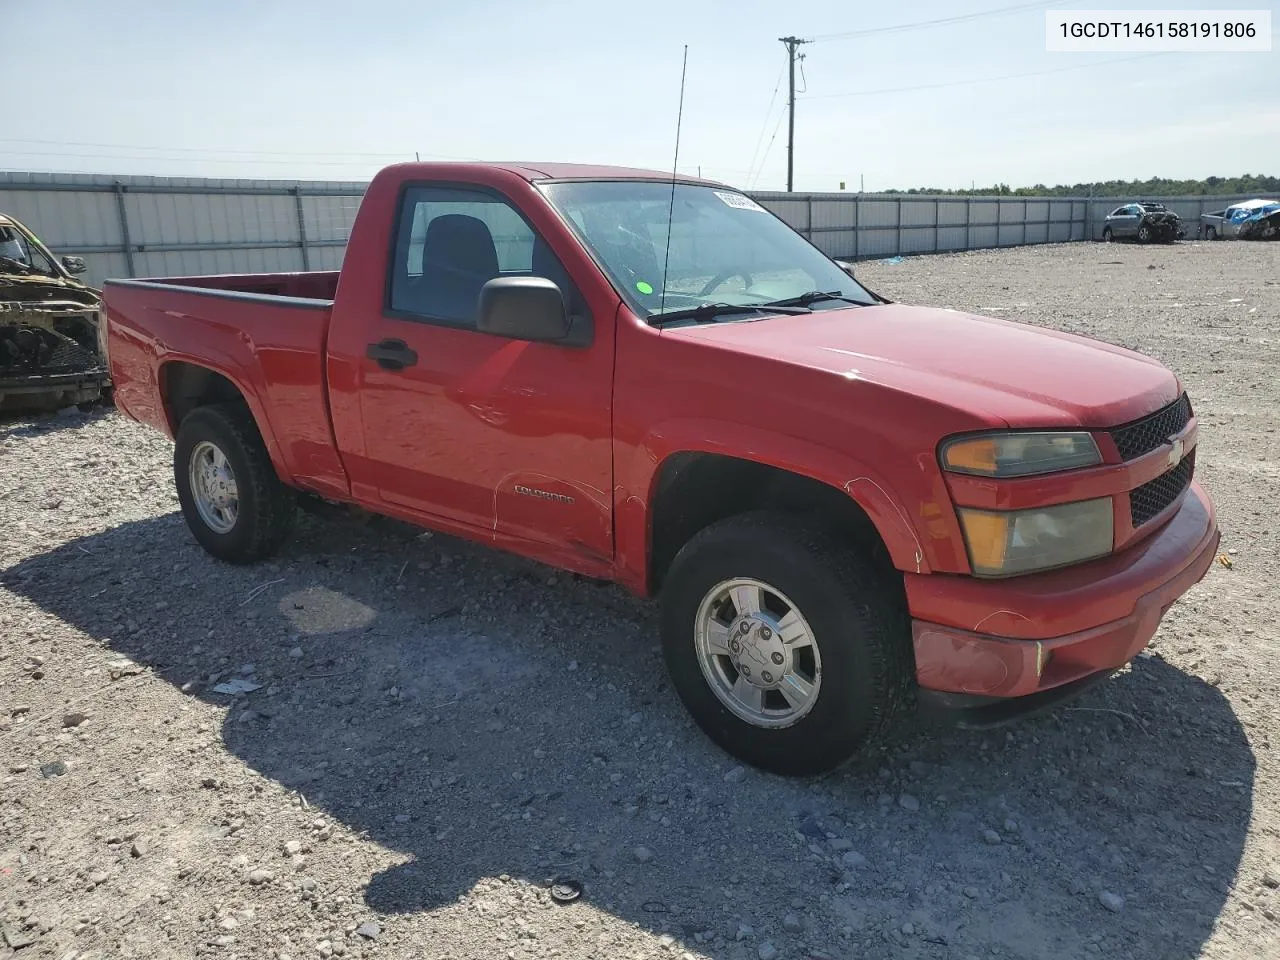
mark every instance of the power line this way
{"type": "Point", "coordinates": [941, 21]}
{"type": "Point", "coordinates": [961, 83]}
{"type": "Point", "coordinates": [213, 150]}
{"type": "Point", "coordinates": [764, 124]}
{"type": "Point", "coordinates": [768, 147]}
{"type": "Point", "coordinates": [206, 160]}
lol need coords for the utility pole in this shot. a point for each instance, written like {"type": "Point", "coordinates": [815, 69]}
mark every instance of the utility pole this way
{"type": "Point", "coordinates": [792, 44]}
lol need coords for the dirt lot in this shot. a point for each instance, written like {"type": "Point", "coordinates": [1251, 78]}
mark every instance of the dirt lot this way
{"type": "Point", "coordinates": [438, 729]}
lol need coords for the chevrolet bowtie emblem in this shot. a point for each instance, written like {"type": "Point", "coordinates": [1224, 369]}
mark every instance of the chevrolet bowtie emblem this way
{"type": "Point", "coordinates": [1175, 454]}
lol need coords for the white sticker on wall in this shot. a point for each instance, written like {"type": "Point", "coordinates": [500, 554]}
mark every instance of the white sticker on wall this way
{"type": "Point", "coordinates": [739, 202]}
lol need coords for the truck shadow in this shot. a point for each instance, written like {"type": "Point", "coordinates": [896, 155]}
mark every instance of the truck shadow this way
{"type": "Point", "coordinates": [450, 703]}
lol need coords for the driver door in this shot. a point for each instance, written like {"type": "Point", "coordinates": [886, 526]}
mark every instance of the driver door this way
{"type": "Point", "coordinates": [509, 438]}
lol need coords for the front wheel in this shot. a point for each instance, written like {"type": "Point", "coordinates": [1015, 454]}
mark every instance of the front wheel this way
{"type": "Point", "coordinates": [1107, 235]}
{"type": "Point", "coordinates": [786, 645]}
{"type": "Point", "coordinates": [232, 500]}
{"type": "Point", "coordinates": [1144, 234]}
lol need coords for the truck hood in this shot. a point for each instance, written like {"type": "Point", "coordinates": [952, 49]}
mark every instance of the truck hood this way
{"type": "Point", "coordinates": [997, 370]}
{"type": "Point", "coordinates": [35, 289]}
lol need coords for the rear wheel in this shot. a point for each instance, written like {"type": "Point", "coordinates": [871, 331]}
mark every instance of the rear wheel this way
{"type": "Point", "coordinates": [1144, 233]}
{"type": "Point", "coordinates": [232, 500]}
{"type": "Point", "coordinates": [787, 647]}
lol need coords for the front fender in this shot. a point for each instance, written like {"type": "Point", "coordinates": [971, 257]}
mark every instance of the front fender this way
{"type": "Point", "coordinates": [639, 467]}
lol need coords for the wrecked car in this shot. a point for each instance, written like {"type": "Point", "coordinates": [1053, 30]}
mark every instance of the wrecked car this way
{"type": "Point", "coordinates": [1262, 223]}
{"type": "Point", "coordinates": [1226, 224]}
{"type": "Point", "coordinates": [49, 352]}
{"type": "Point", "coordinates": [1144, 222]}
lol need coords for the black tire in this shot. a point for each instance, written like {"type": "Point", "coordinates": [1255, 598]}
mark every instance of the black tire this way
{"type": "Point", "coordinates": [1144, 234]}
{"type": "Point", "coordinates": [266, 507]}
{"type": "Point", "coordinates": [857, 617]}
{"type": "Point", "coordinates": [1211, 233]}
{"type": "Point", "coordinates": [1107, 235]}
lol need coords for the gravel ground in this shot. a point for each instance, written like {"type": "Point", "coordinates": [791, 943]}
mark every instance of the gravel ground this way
{"type": "Point", "coordinates": [436, 729]}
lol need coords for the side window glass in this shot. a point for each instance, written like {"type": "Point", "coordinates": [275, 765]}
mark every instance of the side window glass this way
{"type": "Point", "coordinates": [451, 242]}
{"type": "Point", "coordinates": [13, 246]}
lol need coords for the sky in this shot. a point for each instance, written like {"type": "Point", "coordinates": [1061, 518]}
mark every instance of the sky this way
{"type": "Point", "coordinates": [332, 90]}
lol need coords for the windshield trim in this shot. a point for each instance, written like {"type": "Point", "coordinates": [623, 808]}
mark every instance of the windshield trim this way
{"type": "Point", "coordinates": [623, 292]}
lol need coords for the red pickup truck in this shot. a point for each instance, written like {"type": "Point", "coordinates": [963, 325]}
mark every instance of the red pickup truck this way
{"type": "Point", "coordinates": [840, 501]}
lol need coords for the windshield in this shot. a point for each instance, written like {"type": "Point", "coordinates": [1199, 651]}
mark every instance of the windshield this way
{"type": "Point", "coordinates": [725, 248]}
{"type": "Point", "coordinates": [20, 255]}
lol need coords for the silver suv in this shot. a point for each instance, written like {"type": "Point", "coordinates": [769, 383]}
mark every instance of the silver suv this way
{"type": "Point", "coordinates": [1144, 222]}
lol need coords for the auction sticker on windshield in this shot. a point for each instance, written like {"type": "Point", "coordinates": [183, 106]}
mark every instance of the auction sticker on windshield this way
{"type": "Point", "coordinates": [738, 201]}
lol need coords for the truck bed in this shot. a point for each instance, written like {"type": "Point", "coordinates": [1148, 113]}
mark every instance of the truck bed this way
{"type": "Point", "coordinates": [265, 333]}
{"type": "Point", "coordinates": [316, 285]}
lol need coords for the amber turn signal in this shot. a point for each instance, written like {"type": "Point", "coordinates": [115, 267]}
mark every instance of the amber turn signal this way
{"type": "Point", "coordinates": [1023, 541]}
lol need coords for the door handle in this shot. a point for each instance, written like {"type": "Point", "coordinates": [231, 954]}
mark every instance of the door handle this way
{"type": "Point", "coordinates": [392, 354]}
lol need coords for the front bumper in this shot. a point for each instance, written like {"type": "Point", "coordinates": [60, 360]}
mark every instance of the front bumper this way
{"type": "Point", "coordinates": [1059, 628]}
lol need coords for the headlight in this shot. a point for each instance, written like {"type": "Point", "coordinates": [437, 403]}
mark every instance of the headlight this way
{"type": "Point", "coordinates": [1022, 541]}
{"type": "Point", "coordinates": [1019, 454]}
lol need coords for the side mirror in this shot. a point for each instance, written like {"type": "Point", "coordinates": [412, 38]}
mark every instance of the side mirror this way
{"type": "Point", "coordinates": [846, 267]}
{"type": "Point", "coordinates": [523, 308]}
{"type": "Point", "coordinates": [74, 265]}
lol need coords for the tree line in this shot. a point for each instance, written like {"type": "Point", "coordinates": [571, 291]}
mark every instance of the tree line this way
{"type": "Point", "coordinates": [1155, 187]}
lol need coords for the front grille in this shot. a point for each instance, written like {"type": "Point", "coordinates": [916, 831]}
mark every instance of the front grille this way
{"type": "Point", "coordinates": [69, 357]}
{"type": "Point", "coordinates": [37, 351]}
{"type": "Point", "coordinates": [1143, 436]}
{"type": "Point", "coordinates": [1154, 495]}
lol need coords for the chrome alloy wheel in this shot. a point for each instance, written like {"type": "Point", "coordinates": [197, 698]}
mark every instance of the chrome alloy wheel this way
{"type": "Point", "coordinates": [757, 652]}
{"type": "Point", "coordinates": [213, 487]}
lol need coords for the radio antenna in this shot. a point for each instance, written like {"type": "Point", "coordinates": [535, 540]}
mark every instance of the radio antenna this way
{"type": "Point", "coordinates": [671, 208]}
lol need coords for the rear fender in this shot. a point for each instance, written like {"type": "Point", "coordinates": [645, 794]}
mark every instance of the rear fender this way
{"type": "Point", "coordinates": [257, 409]}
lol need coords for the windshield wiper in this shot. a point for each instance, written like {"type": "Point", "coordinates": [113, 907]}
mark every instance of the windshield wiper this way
{"type": "Point", "coordinates": [814, 296]}
{"type": "Point", "coordinates": [708, 311]}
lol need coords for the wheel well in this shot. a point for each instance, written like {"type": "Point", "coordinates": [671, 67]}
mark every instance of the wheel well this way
{"type": "Point", "coordinates": [694, 490]}
{"type": "Point", "coordinates": [186, 386]}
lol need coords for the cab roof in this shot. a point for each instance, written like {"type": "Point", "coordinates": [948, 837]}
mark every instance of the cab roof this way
{"type": "Point", "coordinates": [587, 171]}
{"type": "Point", "coordinates": [536, 172]}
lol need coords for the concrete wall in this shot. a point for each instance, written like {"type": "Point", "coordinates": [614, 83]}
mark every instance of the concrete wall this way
{"type": "Point", "coordinates": [166, 226]}
{"type": "Point", "coordinates": [863, 226]}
